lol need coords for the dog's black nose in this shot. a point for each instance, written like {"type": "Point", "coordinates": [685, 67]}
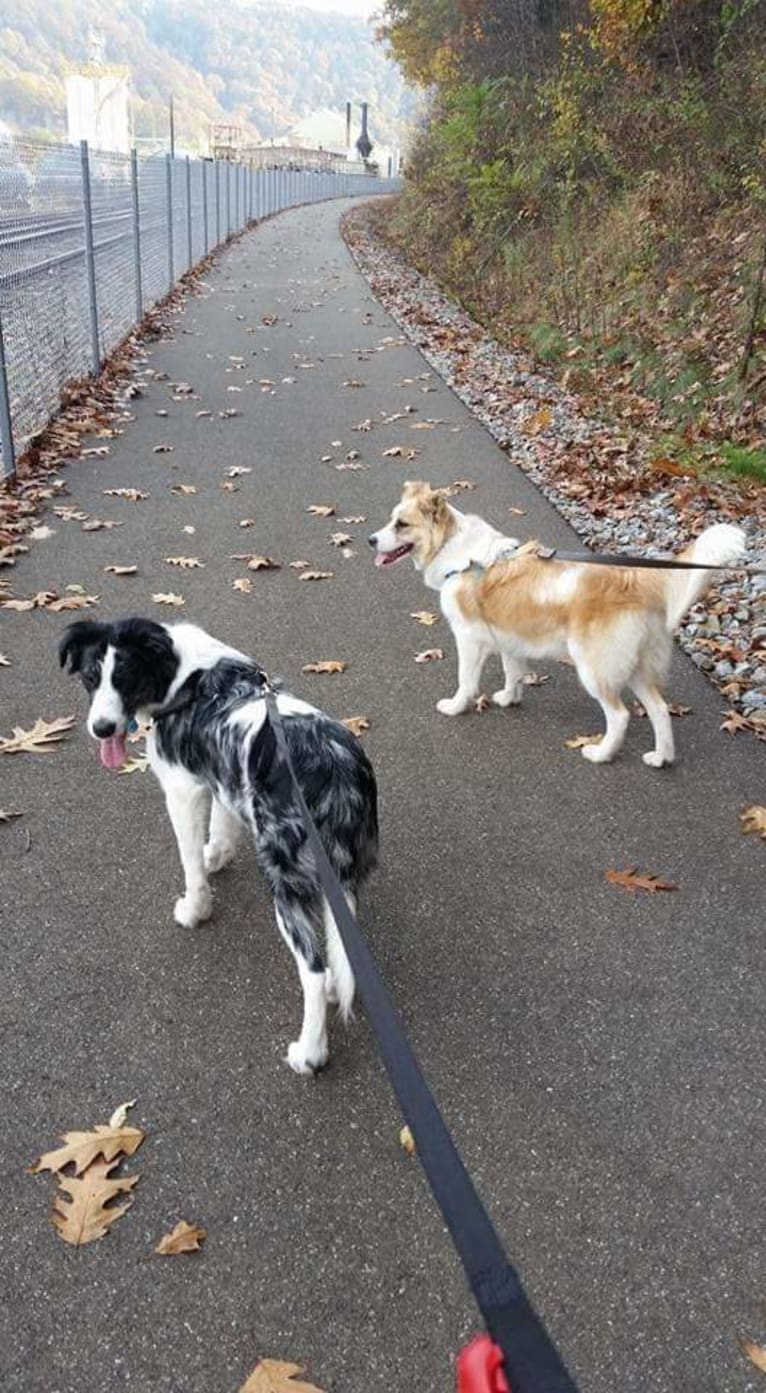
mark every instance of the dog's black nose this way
{"type": "Point", "coordinates": [103, 729]}
{"type": "Point", "coordinates": [373, 539]}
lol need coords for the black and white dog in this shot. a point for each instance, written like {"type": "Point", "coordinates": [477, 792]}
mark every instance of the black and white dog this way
{"type": "Point", "coordinates": [210, 737]}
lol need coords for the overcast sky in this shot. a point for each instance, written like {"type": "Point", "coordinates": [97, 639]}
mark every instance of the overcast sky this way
{"type": "Point", "coordinates": [362, 9]}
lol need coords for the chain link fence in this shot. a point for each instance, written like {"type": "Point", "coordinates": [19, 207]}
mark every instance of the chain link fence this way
{"type": "Point", "coordinates": [89, 241]}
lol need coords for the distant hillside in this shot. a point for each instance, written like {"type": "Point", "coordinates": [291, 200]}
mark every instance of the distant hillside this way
{"type": "Point", "coordinates": [251, 63]}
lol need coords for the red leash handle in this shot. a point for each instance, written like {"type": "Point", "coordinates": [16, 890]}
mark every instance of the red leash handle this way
{"type": "Point", "coordinates": [480, 1368]}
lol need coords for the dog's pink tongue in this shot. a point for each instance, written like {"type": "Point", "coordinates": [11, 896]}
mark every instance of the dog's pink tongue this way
{"type": "Point", "coordinates": [112, 751]}
{"type": "Point", "coordinates": [381, 558]}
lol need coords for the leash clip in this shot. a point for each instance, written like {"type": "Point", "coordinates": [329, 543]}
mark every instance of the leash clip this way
{"type": "Point", "coordinates": [546, 553]}
{"type": "Point", "coordinates": [480, 1368]}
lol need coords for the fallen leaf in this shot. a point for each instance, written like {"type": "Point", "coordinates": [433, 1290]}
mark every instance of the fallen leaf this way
{"type": "Point", "coordinates": [41, 739]}
{"type": "Point", "coordinates": [228, 413]}
{"type": "Point", "coordinates": [243, 585]}
{"type": "Point", "coordinates": [356, 724]}
{"type": "Point", "coordinates": [41, 534]}
{"type": "Point", "coordinates": [121, 570]}
{"type": "Point", "coordinates": [132, 495]}
{"type": "Point", "coordinates": [81, 1149]}
{"type": "Point", "coordinates": [99, 525]}
{"type": "Point", "coordinates": [274, 1376]}
{"type": "Point", "coordinates": [407, 1141]}
{"type": "Point", "coordinates": [95, 452]}
{"type": "Point", "coordinates": [633, 880]}
{"type": "Point", "coordinates": [71, 514]}
{"type": "Point", "coordinates": [326, 665]}
{"type": "Point", "coordinates": [186, 563]}
{"type": "Point", "coordinates": [340, 539]}
{"type": "Point", "coordinates": [395, 452]}
{"type": "Point", "coordinates": [73, 602]}
{"type": "Point", "coordinates": [755, 1353]}
{"type": "Point", "coordinates": [518, 512]}
{"type": "Point", "coordinates": [247, 522]}
{"type": "Point", "coordinates": [256, 562]}
{"type": "Point", "coordinates": [183, 489]}
{"type": "Point", "coordinates": [675, 709]}
{"type": "Point", "coordinates": [535, 679]}
{"type": "Point", "coordinates": [753, 819]}
{"type": "Point", "coordinates": [168, 599]}
{"type": "Point", "coordinates": [237, 469]}
{"type": "Point", "coordinates": [120, 1115]}
{"type": "Point", "coordinates": [352, 382]}
{"type": "Point", "coordinates": [734, 722]}
{"type": "Point", "coordinates": [459, 486]}
{"type": "Point", "coordinates": [297, 565]}
{"type": "Point", "coordinates": [579, 741]}
{"type": "Point", "coordinates": [430, 655]}
{"type": "Point", "coordinates": [6, 814]}
{"type": "Point", "coordinates": [184, 1238]}
{"type": "Point", "coordinates": [482, 703]}
{"type": "Point", "coordinates": [363, 425]}
{"type": "Point", "coordinates": [4, 662]}
{"type": "Point", "coordinates": [269, 320]}
{"type": "Point", "coordinates": [228, 486]}
{"type": "Point", "coordinates": [357, 519]}
{"type": "Point", "coordinates": [39, 601]}
{"type": "Point", "coordinates": [163, 449]}
{"type": "Point", "coordinates": [321, 510]}
{"type": "Point", "coordinates": [316, 575]}
{"type": "Point", "coordinates": [85, 1217]}
{"type": "Point", "coordinates": [424, 616]}
{"type": "Point", "coordinates": [137, 764]}
{"type": "Point", "coordinates": [200, 414]}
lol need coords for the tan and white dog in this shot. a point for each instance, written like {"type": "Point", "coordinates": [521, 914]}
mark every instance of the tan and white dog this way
{"type": "Point", "coordinates": [500, 596]}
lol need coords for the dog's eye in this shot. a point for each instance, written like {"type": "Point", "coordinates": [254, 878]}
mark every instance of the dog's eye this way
{"type": "Point", "coordinates": [400, 523]}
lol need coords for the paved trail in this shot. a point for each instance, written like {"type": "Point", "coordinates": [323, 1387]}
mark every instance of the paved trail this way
{"type": "Point", "coordinates": [598, 1056]}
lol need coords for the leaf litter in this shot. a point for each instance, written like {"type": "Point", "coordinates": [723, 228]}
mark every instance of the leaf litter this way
{"type": "Point", "coordinates": [184, 1238]}
{"type": "Point", "coordinates": [41, 738]}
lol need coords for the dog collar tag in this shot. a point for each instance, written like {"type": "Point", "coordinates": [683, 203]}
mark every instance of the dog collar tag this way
{"type": "Point", "coordinates": [132, 726]}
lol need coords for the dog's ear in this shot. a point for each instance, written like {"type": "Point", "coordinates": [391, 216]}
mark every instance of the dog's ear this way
{"type": "Point", "coordinates": [77, 638]}
{"type": "Point", "coordinates": [437, 505]}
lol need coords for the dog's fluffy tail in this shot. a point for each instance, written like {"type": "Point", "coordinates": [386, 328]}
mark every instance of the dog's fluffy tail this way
{"type": "Point", "coordinates": [716, 546]}
{"type": "Point", "coordinates": [340, 967]}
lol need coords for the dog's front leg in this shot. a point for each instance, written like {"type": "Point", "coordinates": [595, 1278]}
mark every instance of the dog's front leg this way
{"type": "Point", "coordinates": [222, 839]}
{"type": "Point", "coordinates": [187, 804]}
{"type": "Point", "coordinates": [471, 654]}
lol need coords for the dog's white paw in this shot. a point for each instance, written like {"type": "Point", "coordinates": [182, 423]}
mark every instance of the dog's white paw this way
{"type": "Point", "coordinates": [304, 1064]}
{"type": "Point", "coordinates": [655, 760]}
{"type": "Point", "coordinates": [597, 754]}
{"type": "Point", "coordinates": [450, 706]}
{"type": "Point", "coordinates": [217, 855]}
{"type": "Point", "coordinates": [330, 989]}
{"type": "Point", "coordinates": [191, 910]}
{"type": "Point", "coordinates": [507, 698]}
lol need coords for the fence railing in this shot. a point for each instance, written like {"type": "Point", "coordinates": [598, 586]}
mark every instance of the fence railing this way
{"type": "Point", "coordinates": [90, 241]}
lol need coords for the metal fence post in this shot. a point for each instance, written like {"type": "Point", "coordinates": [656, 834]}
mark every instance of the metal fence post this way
{"type": "Point", "coordinates": [90, 259]}
{"type": "Point", "coordinates": [228, 199]}
{"type": "Point", "coordinates": [6, 422]}
{"type": "Point", "coordinates": [205, 168]}
{"type": "Point", "coordinates": [169, 190]}
{"type": "Point", "coordinates": [236, 197]}
{"type": "Point", "coordinates": [217, 169]}
{"type": "Point", "coordinates": [136, 234]}
{"type": "Point", "coordinates": [188, 212]}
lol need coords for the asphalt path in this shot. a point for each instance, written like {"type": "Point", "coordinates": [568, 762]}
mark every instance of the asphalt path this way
{"type": "Point", "coordinates": [598, 1055]}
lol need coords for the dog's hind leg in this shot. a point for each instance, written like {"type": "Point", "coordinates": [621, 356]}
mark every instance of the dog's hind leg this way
{"type": "Point", "coordinates": [659, 715]}
{"type": "Point", "coordinates": [187, 804]}
{"type": "Point", "coordinates": [339, 979]}
{"type": "Point", "coordinates": [309, 1053]}
{"type": "Point", "coordinates": [615, 713]}
{"type": "Point", "coordinates": [222, 839]}
{"type": "Point", "coordinates": [513, 671]}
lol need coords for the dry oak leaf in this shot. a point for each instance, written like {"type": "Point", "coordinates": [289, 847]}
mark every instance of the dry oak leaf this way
{"type": "Point", "coordinates": [38, 601]}
{"type": "Point", "coordinates": [168, 599]}
{"type": "Point", "coordinates": [243, 585]}
{"type": "Point", "coordinates": [407, 1141]}
{"type": "Point", "coordinates": [187, 563]}
{"type": "Point", "coordinates": [326, 665]}
{"type": "Point", "coordinates": [184, 1238]}
{"type": "Point", "coordinates": [275, 1376]}
{"type": "Point", "coordinates": [321, 510]}
{"type": "Point", "coordinates": [430, 655]}
{"type": "Point", "coordinates": [256, 562]}
{"type": "Point", "coordinates": [340, 539]}
{"type": "Point", "coordinates": [755, 1353]}
{"type": "Point", "coordinates": [6, 814]}
{"type": "Point", "coordinates": [579, 741]}
{"type": "Point", "coordinates": [424, 616]}
{"type": "Point", "coordinates": [85, 1217]}
{"type": "Point", "coordinates": [753, 819]}
{"type": "Point", "coordinates": [459, 486]}
{"type": "Point", "coordinates": [132, 495]}
{"type": "Point", "coordinates": [182, 490]}
{"type": "Point", "coordinates": [535, 679]}
{"type": "Point", "coordinates": [357, 518]}
{"type": "Point", "coordinates": [163, 449]}
{"type": "Point", "coordinates": [228, 486]}
{"type": "Point", "coordinates": [247, 522]}
{"type": "Point", "coordinates": [121, 570]}
{"type": "Point", "coordinates": [71, 514]}
{"type": "Point", "coordinates": [316, 575]}
{"type": "Point", "coordinates": [297, 565]}
{"type": "Point", "coordinates": [74, 602]}
{"type": "Point", "coordinates": [632, 879]}
{"type": "Point", "coordinates": [95, 452]}
{"type": "Point", "coordinates": [482, 703]}
{"type": "Point", "coordinates": [734, 722]}
{"type": "Point", "coordinates": [4, 662]}
{"type": "Point", "coordinates": [356, 724]}
{"type": "Point", "coordinates": [80, 1149]}
{"type": "Point", "coordinates": [395, 452]}
{"type": "Point", "coordinates": [237, 469]}
{"type": "Point", "coordinates": [41, 739]}
{"type": "Point", "coordinates": [99, 525]}
{"type": "Point", "coordinates": [137, 764]}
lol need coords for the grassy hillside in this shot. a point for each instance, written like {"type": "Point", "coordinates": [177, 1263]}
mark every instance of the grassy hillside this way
{"type": "Point", "coordinates": [240, 62]}
{"type": "Point", "coordinates": [592, 183]}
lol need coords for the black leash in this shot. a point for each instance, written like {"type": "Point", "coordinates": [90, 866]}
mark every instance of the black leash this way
{"type": "Point", "coordinates": [652, 563]}
{"type": "Point", "coordinates": [532, 1363]}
